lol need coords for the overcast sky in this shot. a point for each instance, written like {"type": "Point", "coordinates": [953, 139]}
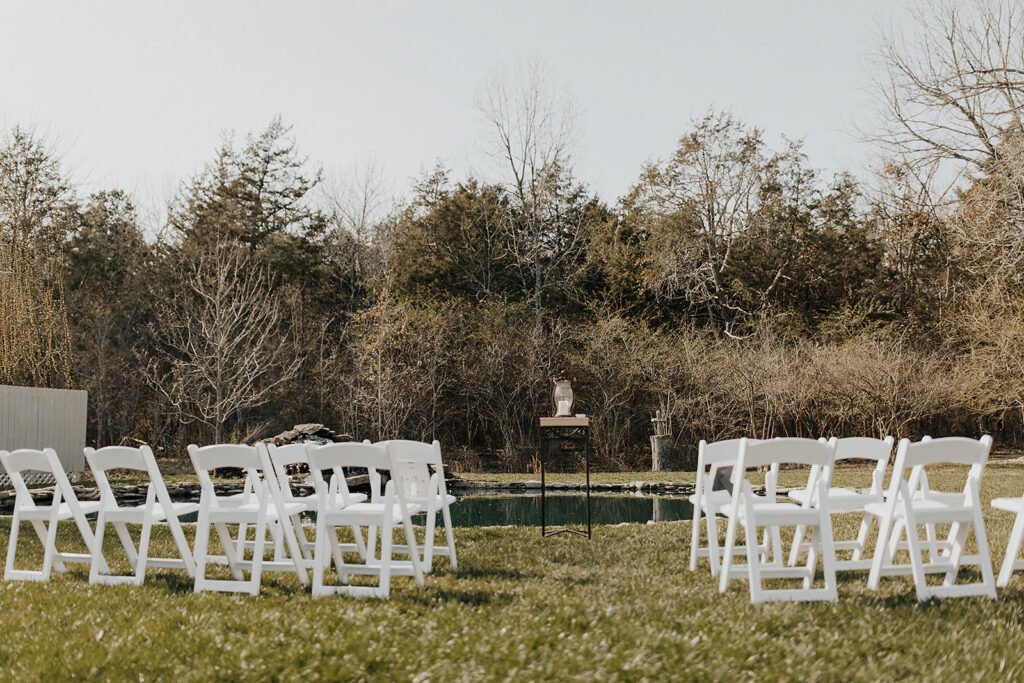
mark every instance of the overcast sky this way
{"type": "Point", "coordinates": [138, 94]}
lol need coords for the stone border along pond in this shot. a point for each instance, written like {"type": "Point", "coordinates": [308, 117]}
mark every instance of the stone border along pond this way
{"type": "Point", "coordinates": [456, 485]}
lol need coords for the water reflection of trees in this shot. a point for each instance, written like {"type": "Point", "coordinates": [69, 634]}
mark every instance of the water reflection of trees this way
{"type": "Point", "coordinates": [524, 510]}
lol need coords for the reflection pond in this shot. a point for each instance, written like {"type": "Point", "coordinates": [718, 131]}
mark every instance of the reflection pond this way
{"type": "Point", "coordinates": [523, 509]}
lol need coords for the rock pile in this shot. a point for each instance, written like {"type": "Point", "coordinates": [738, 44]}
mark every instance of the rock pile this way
{"type": "Point", "coordinates": [309, 433]}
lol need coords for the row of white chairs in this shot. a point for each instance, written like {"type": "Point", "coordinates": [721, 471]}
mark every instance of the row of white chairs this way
{"type": "Point", "coordinates": [898, 512]}
{"type": "Point", "coordinates": [267, 503]}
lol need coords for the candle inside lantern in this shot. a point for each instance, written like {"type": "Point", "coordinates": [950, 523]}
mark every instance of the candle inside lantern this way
{"type": "Point", "coordinates": [563, 408]}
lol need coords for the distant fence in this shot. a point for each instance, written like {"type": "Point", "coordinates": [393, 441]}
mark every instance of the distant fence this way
{"type": "Point", "coordinates": [44, 418]}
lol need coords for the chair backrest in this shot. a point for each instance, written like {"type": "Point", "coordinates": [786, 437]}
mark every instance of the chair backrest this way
{"type": "Point", "coordinates": [788, 450]}
{"type": "Point", "coordinates": [337, 456]}
{"type": "Point", "coordinates": [24, 460]}
{"type": "Point", "coordinates": [953, 450]}
{"type": "Point", "coordinates": [113, 458]}
{"type": "Point", "coordinates": [717, 459]}
{"type": "Point", "coordinates": [865, 448]}
{"type": "Point", "coordinates": [283, 456]}
{"type": "Point", "coordinates": [411, 462]}
{"type": "Point", "coordinates": [236, 456]}
{"type": "Point", "coordinates": [718, 452]}
{"type": "Point", "coordinates": [28, 459]}
{"type": "Point", "coordinates": [139, 459]}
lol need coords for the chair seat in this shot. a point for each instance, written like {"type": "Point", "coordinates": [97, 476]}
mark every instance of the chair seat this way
{"type": "Point", "coordinates": [716, 498]}
{"type": "Point", "coordinates": [786, 514]}
{"type": "Point", "coordinates": [425, 500]}
{"type": "Point", "coordinates": [309, 503]}
{"type": "Point", "coordinates": [63, 512]}
{"type": "Point", "coordinates": [248, 512]}
{"type": "Point", "coordinates": [944, 497]}
{"type": "Point", "coordinates": [359, 512]}
{"type": "Point", "coordinates": [1009, 504]}
{"type": "Point", "coordinates": [135, 512]}
{"type": "Point", "coordinates": [178, 509]}
{"type": "Point", "coordinates": [926, 511]}
{"type": "Point", "coordinates": [838, 498]}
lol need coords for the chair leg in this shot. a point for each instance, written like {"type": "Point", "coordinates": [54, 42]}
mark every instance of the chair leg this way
{"type": "Point", "coordinates": [291, 529]}
{"type": "Point", "coordinates": [1005, 571]}
{"type": "Point", "coordinates": [321, 557]}
{"type": "Point", "coordinates": [986, 562]}
{"type": "Point", "coordinates": [916, 559]}
{"type": "Point", "coordinates": [730, 542]}
{"type": "Point", "coordinates": [828, 555]}
{"type": "Point", "coordinates": [776, 536]}
{"type": "Point", "coordinates": [957, 540]}
{"type": "Point", "coordinates": [894, 540]}
{"type": "Point", "coordinates": [126, 542]}
{"type": "Point", "coordinates": [384, 587]}
{"type": "Point", "coordinates": [428, 538]}
{"type": "Point", "coordinates": [862, 536]}
{"type": "Point", "coordinates": [97, 553]}
{"type": "Point", "coordinates": [12, 545]}
{"type": "Point", "coordinates": [884, 529]}
{"type": "Point", "coordinates": [414, 556]}
{"type": "Point", "coordinates": [336, 552]}
{"type": "Point", "coordinates": [695, 535]}
{"type": "Point", "coordinates": [51, 544]}
{"type": "Point", "coordinates": [178, 534]}
{"type": "Point", "coordinates": [933, 547]}
{"type": "Point", "coordinates": [711, 525]}
{"type": "Point", "coordinates": [798, 541]}
{"type": "Point", "coordinates": [143, 557]}
{"type": "Point", "coordinates": [449, 533]}
{"type": "Point", "coordinates": [256, 573]}
{"type": "Point", "coordinates": [753, 562]}
{"type": "Point", "coordinates": [812, 558]}
{"type": "Point", "coordinates": [234, 559]}
{"type": "Point", "coordinates": [202, 548]}
{"type": "Point", "coordinates": [243, 535]}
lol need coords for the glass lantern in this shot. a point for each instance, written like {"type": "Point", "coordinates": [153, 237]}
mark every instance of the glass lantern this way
{"type": "Point", "coordinates": [563, 395]}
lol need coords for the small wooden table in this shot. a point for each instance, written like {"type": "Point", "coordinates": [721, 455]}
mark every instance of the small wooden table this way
{"type": "Point", "coordinates": [558, 430]}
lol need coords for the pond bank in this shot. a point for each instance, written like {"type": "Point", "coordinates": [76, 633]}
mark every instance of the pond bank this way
{"type": "Point", "coordinates": [457, 484]}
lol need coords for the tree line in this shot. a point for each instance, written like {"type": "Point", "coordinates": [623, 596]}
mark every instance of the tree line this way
{"type": "Point", "coordinates": [733, 287]}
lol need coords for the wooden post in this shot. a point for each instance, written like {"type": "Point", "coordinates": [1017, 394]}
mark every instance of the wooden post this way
{"type": "Point", "coordinates": [661, 443]}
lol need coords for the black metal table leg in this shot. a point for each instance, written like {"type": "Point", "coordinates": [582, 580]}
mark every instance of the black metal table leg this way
{"type": "Point", "coordinates": [575, 433]}
{"type": "Point", "coordinates": [543, 523]}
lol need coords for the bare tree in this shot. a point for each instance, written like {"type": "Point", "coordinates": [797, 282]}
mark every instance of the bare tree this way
{"type": "Point", "coordinates": [533, 128]}
{"type": "Point", "coordinates": [219, 340]}
{"type": "Point", "coordinates": [954, 90]}
{"type": "Point", "coordinates": [357, 201]}
{"type": "Point", "coordinates": [695, 206]}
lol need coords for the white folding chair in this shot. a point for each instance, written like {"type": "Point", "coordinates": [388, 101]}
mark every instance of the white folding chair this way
{"type": "Point", "coordinates": [1011, 560]}
{"type": "Point", "coordinates": [909, 504]}
{"type": "Point", "coordinates": [157, 508]}
{"type": "Point", "coordinates": [261, 504]}
{"type": "Point", "coordinates": [752, 511]}
{"type": "Point", "coordinates": [44, 518]}
{"type": "Point", "coordinates": [281, 457]}
{"type": "Point", "coordinates": [336, 509]}
{"type": "Point", "coordinates": [427, 489]}
{"type": "Point", "coordinates": [713, 460]}
{"type": "Point", "coordinates": [848, 500]}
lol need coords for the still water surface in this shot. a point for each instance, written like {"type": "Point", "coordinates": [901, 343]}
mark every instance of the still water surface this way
{"type": "Point", "coordinates": [523, 509]}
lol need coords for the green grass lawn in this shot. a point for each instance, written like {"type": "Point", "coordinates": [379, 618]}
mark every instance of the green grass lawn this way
{"type": "Point", "coordinates": [622, 605]}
